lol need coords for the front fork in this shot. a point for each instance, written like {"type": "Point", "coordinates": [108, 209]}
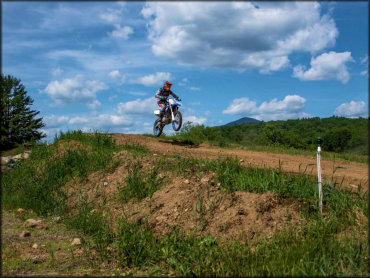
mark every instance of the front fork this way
{"type": "Point", "coordinates": [173, 118]}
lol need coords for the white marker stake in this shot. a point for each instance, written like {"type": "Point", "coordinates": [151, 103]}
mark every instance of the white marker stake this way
{"type": "Point", "coordinates": [319, 176]}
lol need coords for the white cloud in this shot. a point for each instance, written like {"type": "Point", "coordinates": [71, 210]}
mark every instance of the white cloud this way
{"type": "Point", "coordinates": [194, 88]}
{"type": "Point", "coordinates": [107, 121]}
{"type": "Point", "coordinates": [153, 79]}
{"type": "Point", "coordinates": [93, 61]}
{"type": "Point", "coordinates": [111, 15]}
{"type": "Point", "coordinates": [122, 32]}
{"type": "Point", "coordinates": [53, 121]}
{"type": "Point", "coordinates": [93, 105]}
{"type": "Point", "coordinates": [57, 71]}
{"type": "Point", "coordinates": [289, 108]}
{"type": "Point", "coordinates": [326, 66]}
{"type": "Point", "coordinates": [78, 120]}
{"type": "Point", "coordinates": [143, 107]}
{"type": "Point", "coordinates": [364, 72]}
{"type": "Point", "coordinates": [353, 109]}
{"type": "Point", "coordinates": [114, 74]}
{"type": "Point", "coordinates": [74, 90]}
{"type": "Point", "coordinates": [195, 120]}
{"type": "Point", "coordinates": [237, 35]}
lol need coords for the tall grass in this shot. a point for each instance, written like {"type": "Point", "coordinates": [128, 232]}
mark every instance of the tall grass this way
{"type": "Point", "coordinates": [232, 177]}
{"type": "Point", "coordinates": [36, 183]}
{"type": "Point", "coordinates": [310, 250]}
{"type": "Point", "coordinates": [140, 184]}
{"type": "Point", "coordinates": [90, 222]}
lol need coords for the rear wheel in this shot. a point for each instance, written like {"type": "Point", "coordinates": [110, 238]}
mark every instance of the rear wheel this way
{"type": "Point", "coordinates": [177, 122]}
{"type": "Point", "coordinates": [157, 128]}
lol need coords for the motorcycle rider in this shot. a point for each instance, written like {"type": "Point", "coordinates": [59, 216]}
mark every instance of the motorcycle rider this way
{"type": "Point", "coordinates": [162, 95]}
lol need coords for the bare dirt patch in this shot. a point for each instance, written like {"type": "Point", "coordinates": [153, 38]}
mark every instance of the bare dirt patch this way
{"type": "Point", "coordinates": [198, 206]}
{"type": "Point", "coordinates": [349, 174]}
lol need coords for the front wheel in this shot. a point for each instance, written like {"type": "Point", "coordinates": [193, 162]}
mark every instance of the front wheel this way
{"type": "Point", "coordinates": [177, 122]}
{"type": "Point", "coordinates": [157, 128]}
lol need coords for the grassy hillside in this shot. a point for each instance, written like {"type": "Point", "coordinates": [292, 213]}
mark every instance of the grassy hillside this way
{"type": "Point", "coordinates": [342, 137]}
{"type": "Point", "coordinates": [60, 180]}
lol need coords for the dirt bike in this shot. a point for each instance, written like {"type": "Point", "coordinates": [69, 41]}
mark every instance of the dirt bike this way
{"type": "Point", "coordinates": [171, 115]}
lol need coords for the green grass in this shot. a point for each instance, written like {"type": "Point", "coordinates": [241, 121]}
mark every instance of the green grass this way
{"type": "Point", "coordinates": [136, 149]}
{"type": "Point", "coordinates": [36, 183]}
{"type": "Point", "coordinates": [140, 184]}
{"type": "Point", "coordinates": [223, 143]}
{"type": "Point", "coordinates": [232, 177]}
{"type": "Point", "coordinates": [310, 248]}
{"type": "Point", "coordinates": [324, 154]}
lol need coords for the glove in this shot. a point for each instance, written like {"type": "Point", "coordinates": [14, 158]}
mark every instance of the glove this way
{"type": "Point", "coordinates": [178, 99]}
{"type": "Point", "coordinates": [162, 98]}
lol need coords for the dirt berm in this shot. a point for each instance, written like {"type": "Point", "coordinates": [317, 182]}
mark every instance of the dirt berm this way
{"type": "Point", "coordinates": [348, 174]}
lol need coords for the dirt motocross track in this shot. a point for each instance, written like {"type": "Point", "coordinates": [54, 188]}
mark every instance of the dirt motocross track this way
{"type": "Point", "coordinates": [349, 174]}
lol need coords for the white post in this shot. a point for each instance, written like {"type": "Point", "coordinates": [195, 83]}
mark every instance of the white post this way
{"type": "Point", "coordinates": [319, 172]}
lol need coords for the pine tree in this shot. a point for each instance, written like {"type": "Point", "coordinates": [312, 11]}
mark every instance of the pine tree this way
{"type": "Point", "coordinates": [19, 124]}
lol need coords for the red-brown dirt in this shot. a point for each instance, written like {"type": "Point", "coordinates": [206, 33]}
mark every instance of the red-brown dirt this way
{"type": "Point", "coordinates": [349, 174]}
{"type": "Point", "coordinates": [196, 203]}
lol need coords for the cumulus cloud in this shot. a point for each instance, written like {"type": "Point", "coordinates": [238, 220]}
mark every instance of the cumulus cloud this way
{"type": "Point", "coordinates": [326, 66]}
{"type": "Point", "coordinates": [190, 115]}
{"type": "Point", "coordinates": [353, 109]}
{"type": "Point", "coordinates": [195, 120]}
{"type": "Point", "coordinates": [122, 32]}
{"type": "Point", "coordinates": [237, 35]}
{"type": "Point", "coordinates": [53, 121]}
{"type": "Point", "coordinates": [93, 105]}
{"type": "Point", "coordinates": [141, 107]}
{"type": "Point", "coordinates": [289, 108]}
{"type": "Point", "coordinates": [114, 74]}
{"type": "Point", "coordinates": [153, 79]}
{"type": "Point", "coordinates": [111, 15]}
{"type": "Point", "coordinates": [107, 121]}
{"type": "Point", "coordinates": [87, 123]}
{"type": "Point", "coordinates": [74, 90]}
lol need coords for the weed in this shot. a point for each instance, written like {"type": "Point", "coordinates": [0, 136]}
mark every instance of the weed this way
{"type": "Point", "coordinates": [140, 185]}
{"type": "Point", "coordinates": [136, 149]}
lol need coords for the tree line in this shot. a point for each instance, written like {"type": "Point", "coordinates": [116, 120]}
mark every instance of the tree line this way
{"type": "Point", "coordinates": [339, 134]}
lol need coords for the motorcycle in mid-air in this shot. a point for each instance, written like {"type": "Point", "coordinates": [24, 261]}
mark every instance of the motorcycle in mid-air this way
{"type": "Point", "coordinates": [171, 115]}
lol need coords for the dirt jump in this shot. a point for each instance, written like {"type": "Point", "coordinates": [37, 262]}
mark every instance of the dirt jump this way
{"type": "Point", "coordinates": [347, 174]}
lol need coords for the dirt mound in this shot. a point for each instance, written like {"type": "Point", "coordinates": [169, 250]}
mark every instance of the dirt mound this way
{"type": "Point", "coordinates": [198, 205]}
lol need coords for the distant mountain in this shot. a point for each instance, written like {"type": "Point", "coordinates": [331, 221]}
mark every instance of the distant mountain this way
{"type": "Point", "coordinates": [244, 120]}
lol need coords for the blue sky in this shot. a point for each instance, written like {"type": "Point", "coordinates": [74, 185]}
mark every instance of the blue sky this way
{"type": "Point", "coordinates": [97, 65]}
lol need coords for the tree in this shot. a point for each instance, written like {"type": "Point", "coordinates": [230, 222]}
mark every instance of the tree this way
{"type": "Point", "coordinates": [19, 124]}
{"type": "Point", "coordinates": [337, 139]}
